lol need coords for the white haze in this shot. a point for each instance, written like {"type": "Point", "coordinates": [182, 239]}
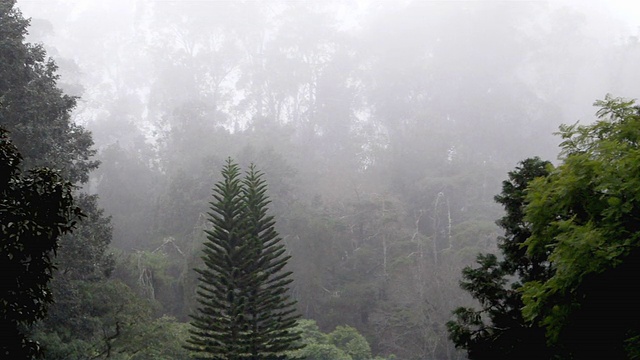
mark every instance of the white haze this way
{"type": "Point", "coordinates": [385, 129]}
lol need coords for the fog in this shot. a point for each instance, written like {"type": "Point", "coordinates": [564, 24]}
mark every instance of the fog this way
{"type": "Point", "coordinates": [384, 128]}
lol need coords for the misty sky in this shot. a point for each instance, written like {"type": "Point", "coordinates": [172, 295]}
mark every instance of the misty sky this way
{"type": "Point", "coordinates": [104, 40]}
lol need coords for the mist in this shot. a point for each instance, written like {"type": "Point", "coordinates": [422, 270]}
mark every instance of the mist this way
{"type": "Point", "coordinates": [384, 129]}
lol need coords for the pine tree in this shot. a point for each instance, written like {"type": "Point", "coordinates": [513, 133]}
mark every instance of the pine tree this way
{"type": "Point", "coordinates": [245, 311]}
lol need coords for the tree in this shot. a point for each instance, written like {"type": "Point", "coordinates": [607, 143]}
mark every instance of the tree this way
{"type": "Point", "coordinates": [572, 241]}
{"type": "Point", "coordinates": [35, 210]}
{"type": "Point", "coordinates": [245, 311]}
{"type": "Point", "coordinates": [498, 330]}
{"type": "Point", "coordinates": [349, 340]}
{"type": "Point", "coordinates": [34, 109]}
{"type": "Point", "coordinates": [343, 343]}
{"type": "Point", "coordinates": [39, 116]}
{"type": "Point", "coordinates": [585, 218]}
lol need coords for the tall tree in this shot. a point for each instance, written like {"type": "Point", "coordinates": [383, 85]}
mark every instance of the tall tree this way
{"type": "Point", "coordinates": [245, 311]}
{"type": "Point", "coordinates": [572, 242]}
{"type": "Point", "coordinates": [39, 116]}
{"type": "Point", "coordinates": [35, 210]}
{"type": "Point", "coordinates": [585, 218]}
{"type": "Point", "coordinates": [498, 330]}
{"type": "Point", "coordinates": [34, 109]}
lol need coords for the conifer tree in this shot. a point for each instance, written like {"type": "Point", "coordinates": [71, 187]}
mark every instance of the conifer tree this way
{"type": "Point", "coordinates": [245, 311]}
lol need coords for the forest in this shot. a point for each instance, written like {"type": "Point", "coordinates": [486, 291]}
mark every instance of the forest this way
{"type": "Point", "coordinates": [448, 179]}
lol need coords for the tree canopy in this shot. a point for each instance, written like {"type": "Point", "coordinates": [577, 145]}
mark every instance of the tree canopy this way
{"type": "Point", "coordinates": [585, 218]}
{"type": "Point", "coordinates": [34, 108]}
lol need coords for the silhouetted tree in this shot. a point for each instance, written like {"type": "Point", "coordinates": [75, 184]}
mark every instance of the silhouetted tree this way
{"type": "Point", "coordinates": [498, 330]}
{"type": "Point", "coordinates": [35, 210]}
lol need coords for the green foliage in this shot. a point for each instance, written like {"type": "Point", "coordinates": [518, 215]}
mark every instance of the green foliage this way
{"type": "Point", "coordinates": [571, 239]}
{"type": "Point", "coordinates": [35, 210]}
{"type": "Point", "coordinates": [165, 340]}
{"type": "Point", "coordinates": [34, 109]}
{"type": "Point", "coordinates": [351, 342]}
{"type": "Point", "coordinates": [310, 332]}
{"type": "Point", "coordinates": [74, 321]}
{"type": "Point", "coordinates": [317, 351]}
{"type": "Point", "coordinates": [517, 230]}
{"type": "Point", "coordinates": [84, 254]}
{"type": "Point", "coordinates": [344, 343]}
{"type": "Point", "coordinates": [245, 311]}
{"type": "Point", "coordinates": [585, 217]}
{"type": "Point", "coordinates": [38, 114]}
{"type": "Point", "coordinates": [116, 323]}
{"type": "Point", "coordinates": [498, 330]}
